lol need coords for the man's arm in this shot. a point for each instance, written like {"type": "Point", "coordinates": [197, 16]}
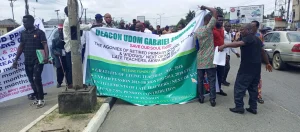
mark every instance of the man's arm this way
{"type": "Point", "coordinates": [45, 45]}
{"type": "Point", "coordinates": [264, 56]}
{"type": "Point", "coordinates": [85, 27]}
{"type": "Point", "coordinates": [19, 51]}
{"type": "Point", "coordinates": [212, 10]}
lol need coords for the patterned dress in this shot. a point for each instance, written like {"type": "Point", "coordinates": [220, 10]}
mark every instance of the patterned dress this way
{"type": "Point", "coordinates": [205, 55]}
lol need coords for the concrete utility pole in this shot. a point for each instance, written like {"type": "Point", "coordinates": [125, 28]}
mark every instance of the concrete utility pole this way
{"type": "Point", "coordinates": [26, 7]}
{"type": "Point", "coordinates": [57, 16]}
{"type": "Point", "coordinates": [12, 8]}
{"type": "Point", "coordinates": [160, 17]}
{"type": "Point", "coordinates": [75, 42]}
{"type": "Point", "coordinates": [85, 15]}
{"type": "Point", "coordinates": [82, 99]}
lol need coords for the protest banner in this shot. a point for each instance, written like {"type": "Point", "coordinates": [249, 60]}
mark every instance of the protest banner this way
{"type": "Point", "coordinates": [14, 82]}
{"type": "Point", "coordinates": [143, 69]}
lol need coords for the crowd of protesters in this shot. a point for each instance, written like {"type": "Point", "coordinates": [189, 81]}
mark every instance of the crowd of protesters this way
{"type": "Point", "coordinates": [214, 33]}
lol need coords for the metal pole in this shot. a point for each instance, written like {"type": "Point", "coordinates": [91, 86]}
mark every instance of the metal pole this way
{"type": "Point", "coordinates": [288, 11]}
{"type": "Point", "coordinates": [160, 17]}
{"type": "Point", "coordinates": [57, 16]}
{"type": "Point", "coordinates": [12, 8]}
{"type": "Point", "coordinates": [33, 11]}
{"type": "Point", "coordinates": [26, 7]}
{"type": "Point", "coordinates": [77, 75]}
{"type": "Point", "coordinates": [85, 16]}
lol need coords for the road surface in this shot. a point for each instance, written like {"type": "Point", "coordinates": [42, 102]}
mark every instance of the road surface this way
{"type": "Point", "coordinates": [281, 111]}
{"type": "Point", "coordinates": [17, 113]}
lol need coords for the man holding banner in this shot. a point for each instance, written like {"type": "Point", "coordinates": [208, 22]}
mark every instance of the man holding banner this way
{"type": "Point", "coordinates": [33, 39]}
{"type": "Point", "coordinates": [205, 55]}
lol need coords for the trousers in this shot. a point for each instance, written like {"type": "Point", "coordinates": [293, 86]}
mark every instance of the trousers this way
{"type": "Point", "coordinates": [243, 83]}
{"type": "Point", "coordinates": [211, 76]}
{"type": "Point", "coordinates": [69, 68]}
{"type": "Point", "coordinates": [227, 68]}
{"type": "Point", "coordinates": [220, 74]}
{"type": "Point", "coordinates": [34, 74]}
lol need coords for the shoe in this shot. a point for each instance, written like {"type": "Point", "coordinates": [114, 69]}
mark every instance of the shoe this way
{"type": "Point", "coordinates": [225, 83]}
{"type": "Point", "coordinates": [58, 85]}
{"type": "Point", "coordinates": [70, 86]}
{"type": "Point", "coordinates": [212, 102]}
{"type": "Point", "coordinates": [253, 111]}
{"type": "Point", "coordinates": [34, 103]}
{"type": "Point", "coordinates": [222, 93]}
{"type": "Point", "coordinates": [260, 100]}
{"type": "Point", "coordinates": [31, 96]}
{"type": "Point", "coordinates": [201, 100]}
{"type": "Point", "coordinates": [40, 104]}
{"type": "Point", "coordinates": [237, 110]}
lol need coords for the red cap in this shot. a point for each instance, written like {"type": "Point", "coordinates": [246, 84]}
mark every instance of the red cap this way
{"type": "Point", "coordinates": [60, 26]}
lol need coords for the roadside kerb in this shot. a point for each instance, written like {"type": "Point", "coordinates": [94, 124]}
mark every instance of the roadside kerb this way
{"type": "Point", "coordinates": [94, 123]}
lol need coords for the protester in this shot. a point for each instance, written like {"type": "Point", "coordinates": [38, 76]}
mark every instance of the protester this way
{"type": "Point", "coordinates": [132, 28]}
{"type": "Point", "coordinates": [180, 26]}
{"type": "Point", "coordinates": [250, 68]}
{"type": "Point", "coordinates": [139, 27]}
{"type": "Point", "coordinates": [255, 25]}
{"type": "Point", "coordinates": [205, 56]}
{"type": "Point", "coordinates": [127, 27]}
{"type": "Point", "coordinates": [33, 39]}
{"type": "Point", "coordinates": [122, 25]}
{"type": "Point", "coordinates": [218, 34]}
{"type": "Point", "coordinates": [57, 49]}
{"type": "Point", "coordinates": [99, 21]}
{"type": "Point", "coordinates": [228, 39]}
{"type": "Point", "coordinates": [237, 36]}
{"type": "Point", "coordinates": [158, 30]}
{"type": "Point", "coordinates": [147, 26]}
{"type": "Point", "coordinates": [167, 30]}
{"type": "Point", "coordinates": [151, 28]}
{"type": "Point", "coordinates": [67, 39]}
{"type": "Point", "coordinates": [108, 20]}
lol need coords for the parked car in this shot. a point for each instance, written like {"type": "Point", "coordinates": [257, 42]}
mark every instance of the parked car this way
{"type": "Point", "coordinates": [283, 47]}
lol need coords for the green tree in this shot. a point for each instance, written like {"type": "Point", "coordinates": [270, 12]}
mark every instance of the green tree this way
{"type": "Point", "coordinates": [282, 12]}
{"type": "Point", "coordinates": [182, 21]}
{"type": "Point", "coordinates": [272, 14]}
{"type": "Point", "coordinates": [147, 22]}
{"type": "Point", "coordinates": [189, 16]}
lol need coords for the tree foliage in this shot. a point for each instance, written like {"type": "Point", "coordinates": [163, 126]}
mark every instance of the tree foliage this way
{"type": "Point", "coordinates": [147, 22]}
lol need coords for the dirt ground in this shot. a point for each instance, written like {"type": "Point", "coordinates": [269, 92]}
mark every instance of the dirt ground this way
{"type": "Point", "coordinates": [56, 122]}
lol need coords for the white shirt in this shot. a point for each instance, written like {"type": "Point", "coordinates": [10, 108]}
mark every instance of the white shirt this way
{"type": "Point", "coordinates": [67, 33]}
{"type": "Point", "coordinates": [227, 39]}
{"type": "Point", "coordinates": [147, 31]}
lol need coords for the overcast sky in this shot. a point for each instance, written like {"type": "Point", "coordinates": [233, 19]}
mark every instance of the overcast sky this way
{"type": "Point", "coordinates": [127, 9]}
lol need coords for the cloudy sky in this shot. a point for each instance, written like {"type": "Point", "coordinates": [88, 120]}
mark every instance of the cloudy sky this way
{"type": "Point", "coordinates": [172, 10]}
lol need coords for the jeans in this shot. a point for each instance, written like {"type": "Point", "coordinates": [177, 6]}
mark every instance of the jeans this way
{"type": "Point", "coordinates": [34, 74]}
{"type": "Point", "coordinates": [227, 68]}
{"type": "Point", "coordinates": [246, 82]}
{"type": "Point", "coordinates": [69, 68]}
{"type": "Point", "coordinates": [220, 74]}
{"type": "Point", "coordinates": [211, 75]}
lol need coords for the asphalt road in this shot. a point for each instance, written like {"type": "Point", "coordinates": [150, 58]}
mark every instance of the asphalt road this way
{"type": "Point", "coordinates": [280, 113]}
{"type": "Point", "coordinates": [17, 113]}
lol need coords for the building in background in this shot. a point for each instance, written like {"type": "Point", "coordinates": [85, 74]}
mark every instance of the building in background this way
{"type": "Point", "coordinates": [7, 25]}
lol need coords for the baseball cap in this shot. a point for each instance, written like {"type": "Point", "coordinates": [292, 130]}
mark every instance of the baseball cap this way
{"type": "Point", "coordinates": [98, 16]}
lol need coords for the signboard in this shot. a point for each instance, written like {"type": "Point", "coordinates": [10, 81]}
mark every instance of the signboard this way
{"type": "Point", "coordinates": [246, 14]}
{"type": "Point", "coordinates": [143, 69]}
{"type": "Point", "coordinates": [141, 18]}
